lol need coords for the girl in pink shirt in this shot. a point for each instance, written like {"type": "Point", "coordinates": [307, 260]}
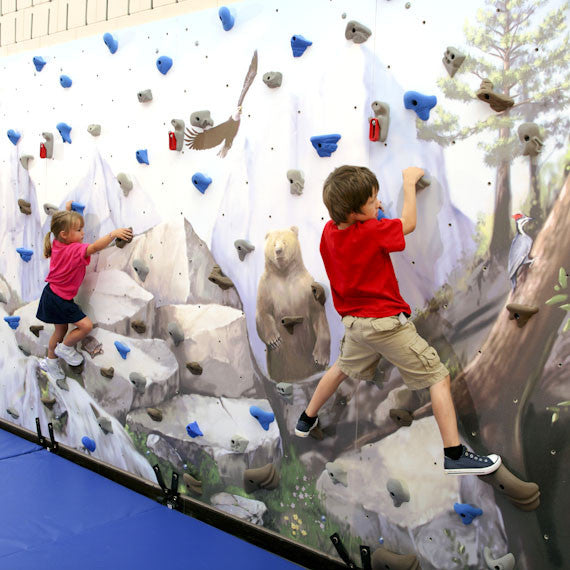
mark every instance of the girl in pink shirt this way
{"type": "Point", "coordinates": [69, 259]}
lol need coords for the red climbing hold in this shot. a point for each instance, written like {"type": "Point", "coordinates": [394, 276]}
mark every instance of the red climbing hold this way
{"type": "Point", "coordinates": [171, 140]}
{"type": "Point", "coordinates": [43, 152]}
{"type": "Point", "coordinates": [374, 133]}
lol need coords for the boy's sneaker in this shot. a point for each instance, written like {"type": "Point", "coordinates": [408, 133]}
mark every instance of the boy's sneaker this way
{"type": "Point", "coordinates": [69, 354]}
{"type": "Point", "coordinates": [305, 425]}
{"type": "Point", "coordinates": [472, 464]}
{"type": "Point", "coordinates": [52, 367]}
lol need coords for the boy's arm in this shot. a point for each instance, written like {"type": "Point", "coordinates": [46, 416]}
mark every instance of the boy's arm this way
{"type": "Point", "coordinates": [103, 242]}
{"type": "Point", "coordinates": [411, 175]}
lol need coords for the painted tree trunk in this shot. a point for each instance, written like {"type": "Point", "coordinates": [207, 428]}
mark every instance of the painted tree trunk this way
{"type": "Point", "coordinates": [501, 238]}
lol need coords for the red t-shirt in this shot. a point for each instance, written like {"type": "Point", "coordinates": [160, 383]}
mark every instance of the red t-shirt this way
{"type": "Point", "coordinates": [360, 271]}
{"type": "Point", "coordinates": [67, 267]}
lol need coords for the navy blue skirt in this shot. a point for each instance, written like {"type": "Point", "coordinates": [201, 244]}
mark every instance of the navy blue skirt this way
{"type": "Point", "coordinates": [55, 310]}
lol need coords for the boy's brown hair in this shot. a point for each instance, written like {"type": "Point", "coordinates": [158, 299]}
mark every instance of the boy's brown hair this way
{"type": "Point", "coordinates": [347, 189]}
{"type": "Point", "coordinates": [61, 221]}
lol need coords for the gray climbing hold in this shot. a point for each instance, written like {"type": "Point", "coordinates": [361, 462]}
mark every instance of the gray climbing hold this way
{"type": "Point", "coordinates": [319, 292]}
{"type": "Point", "coordinates": [125, 183]}
{"type": "Point", "coordinates": [94, 130]}
{"type": "Point", "coordinates": [144, 96]}
{"type": "Point", "coordinates": [121, 243]}
{"type": "Point", "coordinates": [194, 368]}
{"type": "Point", "coordinates": [62, 384]}
{"type": "Point", "coordinates": [266, 477]}
{"type": "Point", "coordinates": [529, 135]}
{"type": "Point", "coordinates": [141, 268]}
{"type": "Point", "coordinates": [138, 381]}
{"type": "Point", "coordinates": [506, 562]}
{"type": "Point", "coordinates": [138, 326]}
{"type": "Point", "coordinates": [423, 182]}
{"type": "Point", "coordinates": [25, 160]}
{"type": "Point", "coordinates": [50, 209]}
{"type": "Point", "coordinates": [290, 322]}
{"type": "Point", "coordinates": [216, 276]}
{"type": "Point", "coordinates": [297, 181]}
{"type": "Point", "coordinates": [179, 126]}
{"type": "Point", "coordinates": [201, 119]}
{"type": "Point", "coordinates": [382, 114]}
{"type": "Point", "coordinates": [105, 425]}
{"type": "Point", "coordinates": [243, 247]}
{"type": "Point", "coordinates": [452, 60]}
{"type": "Point", "coordinates": [273, 79]}
{"type": "Point", "coordinates": [3, 298]}
{"type": "Point", "coordinates": [108, 372]}
{"type": "Point", "coordinates": [285, 388]}
{"type": "Point", "coordinates": [398, 491]}
{"type": "Point", "coordinates": [155, 414]}
{"type": "Point", "coordinates": [35, 330]}
{"type": "Point", "coordinates": [192, 483]}
{"type": "Point", "coordinates": [176, 333]}
{"type": "Point", "coordinates": [357, 32]}
{"type": "Point", "coordinates": [46, 148]}
{"type": "Point", "coordinates": [337, 473]}
{"type": "Point", "coordinates": [238, 443]}
{"type": "Point", "coordinates": [25, 207]}
{"type": "Point", "coordinates": [13, 412]}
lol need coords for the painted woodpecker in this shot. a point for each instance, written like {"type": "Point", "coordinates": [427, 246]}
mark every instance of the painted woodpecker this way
{"type": "Point", "coordinates": [520, 248]}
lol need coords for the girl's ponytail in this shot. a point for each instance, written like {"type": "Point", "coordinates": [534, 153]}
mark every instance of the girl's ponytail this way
{"type": "Point", "coordinates": [47, 245]}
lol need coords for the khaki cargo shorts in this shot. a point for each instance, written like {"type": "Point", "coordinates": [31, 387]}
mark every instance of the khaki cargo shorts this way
{"type": "Point", "coordinates": [367, 339]}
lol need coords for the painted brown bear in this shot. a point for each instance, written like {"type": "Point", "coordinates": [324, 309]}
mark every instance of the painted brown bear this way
{"type": "Point", "coordinates": [290, 321]}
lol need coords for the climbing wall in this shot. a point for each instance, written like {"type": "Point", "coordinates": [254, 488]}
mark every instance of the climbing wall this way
{"type": "Point", "coordinates": [211, 135]}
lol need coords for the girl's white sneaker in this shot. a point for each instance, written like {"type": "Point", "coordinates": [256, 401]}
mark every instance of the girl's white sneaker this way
{"type": "Point", "coordinates": [69, 354]}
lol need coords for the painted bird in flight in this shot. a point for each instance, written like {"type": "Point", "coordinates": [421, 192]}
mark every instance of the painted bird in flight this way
{"type": "Point", "coordinates": [224, 132]}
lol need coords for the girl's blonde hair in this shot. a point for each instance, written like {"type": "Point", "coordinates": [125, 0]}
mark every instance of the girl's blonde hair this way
{"type": "Point", "coordinates": [61, 221]}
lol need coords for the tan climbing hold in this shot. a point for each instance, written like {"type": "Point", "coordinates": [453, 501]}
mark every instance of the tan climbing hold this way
{"type": "Point", "coordinates": [266, 477]}
{"type": "Point", "coordinates": [382, 559]}
{"type": "Point", "coordinates": [138, 326]}
{"type": "Point", "coordinates": [192, 484]}
{"type": "Point", "coordinates": [194, 367]}
{"type": "Point", "coordinates": [402, 418]}
{"type": "Point", "coordinates": [290, 322]}
{"type": "Point", "coordinates": [216, 276]}
{"type": "Point", "coordinates": [522, 494]}
{"type": "Point", "coordinates": [35, 330]}
{"type": "Point", "coordinates": [496, 101]}
{"type": "Point", "coordinates": [108, 372]}
{"type": "Point", "coordinates": [91, 345]}
{"type": "Point", "coordinates": [317, 433]}
{"type": "Point", "coordinates": [318, 292]}
{"type": "Point", "coordinates": [521, 313]}
{"type": "Point", "coordinates": [25, 207]}
{"type": "Point", "coordinates": [155, 414]}
{"type": "Point", "coordinates": [48, 402]}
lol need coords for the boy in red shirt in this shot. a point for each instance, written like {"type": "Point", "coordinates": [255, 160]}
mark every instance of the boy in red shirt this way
{"type": "Point", "coordinates": [356, 247]}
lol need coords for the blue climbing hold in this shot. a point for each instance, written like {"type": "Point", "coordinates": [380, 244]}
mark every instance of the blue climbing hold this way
{"type": "Point", "coordinates": [467, 512]}
{"type": "Point", "coordinates": [299, 44]}
{"type": "Point", "coordinates": [122, 348]}
{"type": "Point", "coordinates": [14, 136]}
{"type": "Point", "coordinates": [78, 207]}
{"type": "Point", "coordinates": [111, 42]}
{"type": "Point", "coordinates": [39, 62]}
{"type": "Point", "coordinates": [65, 132]}
{"type": "Point", "coordinates": [65, 81]}
{"type": "Point", "coordinates": [380, 215]}
{"type": "Point", "coordinates": [201, 181]}
{"type": "Point", "coordinates": [193, 430]}
{"type": "Point", "coordinates": [228, 20]}
{"type": "Point", "coordinates": [419, 103]}
{"type": "Point", "coordinates": [13, 322]}
{"type": "Point", "coordinates": [325, 145]}
{"type": "Point", "coordinates": [142, 156]}
{"type": "Point", "coordinates": [264, 418]}
{"type": "Point", "coordinates": [88, 443]}
{"type": "Point", "coordinates": [25, 254]}
{"type": "Point", "coordinates": [164, 63]}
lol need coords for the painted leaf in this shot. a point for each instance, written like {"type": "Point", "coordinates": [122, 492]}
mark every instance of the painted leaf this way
{"type": "Point", "coordinates": [554, 417]}
{"type": "Point", "coordinates": [563, 278]}
{"type": "Point", "coordinates": [566, 326]}
{"type": "Point", "coordinates": [556, 299]}
{"type": "Point", "coordinates": [565, 307]}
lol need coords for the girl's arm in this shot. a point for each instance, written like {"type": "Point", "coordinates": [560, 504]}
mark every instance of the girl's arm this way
{"type": "Point", "coordinates": [122, 233]}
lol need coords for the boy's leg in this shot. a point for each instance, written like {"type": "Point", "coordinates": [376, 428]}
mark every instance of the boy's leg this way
{"type": "Point", "coordinates": [326, 387]}
{"type": "Point", "coordinates": [444, 412]}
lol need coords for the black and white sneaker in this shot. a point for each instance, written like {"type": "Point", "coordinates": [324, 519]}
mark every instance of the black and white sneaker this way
{"type": "Point", "coordinates": [305, 425]}
{"type": "Point", "coordinates": [472, 464]}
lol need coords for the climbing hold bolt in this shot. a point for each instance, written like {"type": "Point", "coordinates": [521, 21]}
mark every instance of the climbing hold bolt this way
{"type": "Point", "coordinates": [163, 64]}
{"type": "Point", "coordinates": [14, 136]}
{"type": "Point", "coordinates": [421, 104]}
{"type": "Point", "coordinates": [521, 313]}
{"type": "Point", "coordinates": [111, 42]}
{"type": "Point", "coordinates": [452, 60]}
{"type": "Point", "coordinates": [273, 79]}
{"type": "Point", "coordinates": [226, 17]}
{"type": "Point", "coordinates": [299, 44]}
{"type": "Point", "coordinates": [201, 181]}
{"type": "Point", "coordinates": [296, 181]}
{"type": "Point", "coordinates": [122, 348]}
{"type": "Point", "coordinates": [467, 512]}
{"type": "Point", "coordinates": [357, 32]}
{"type": "Point", "coordinates": [193, 430]}
{"type": "Point", "coordinates": [243, 247]}
{"type": "Point", "coordinates": [264, 418]}
{"type": "Point", "coordinates": [325, 145]}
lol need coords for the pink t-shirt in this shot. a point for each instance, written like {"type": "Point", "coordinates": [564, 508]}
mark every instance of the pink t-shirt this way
{"type": "Point", "coordinates": [67, 268]}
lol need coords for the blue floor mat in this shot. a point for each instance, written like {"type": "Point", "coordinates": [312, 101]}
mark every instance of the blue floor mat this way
{"type": "Point", "coordinates": [56, 514]}
{"type": "Point", "coordinates": [11, 445]}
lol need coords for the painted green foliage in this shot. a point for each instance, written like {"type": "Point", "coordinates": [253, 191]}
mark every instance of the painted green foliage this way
{"type": "Point", "coordinates": [561, 297]}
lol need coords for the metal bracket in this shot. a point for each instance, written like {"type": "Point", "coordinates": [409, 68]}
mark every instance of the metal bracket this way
{"type": "Point", "coordinates": [365, 557]}
{"type": "Point", "coordinates": [171, 496]}
{"type": "Point", "coordinates": [337, 542]}
{"type": "Point", "coordinates": [50, 445]}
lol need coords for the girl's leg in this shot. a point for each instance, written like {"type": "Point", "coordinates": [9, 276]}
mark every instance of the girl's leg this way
{"type": "Point", "coordinates": [444, 412]}
{"type": "Point", "coordinates": [84, 327]}
{"type": "Point", "coordinates": [325, 389]}
{"type": "Point", "coordinates": [57, 336]}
